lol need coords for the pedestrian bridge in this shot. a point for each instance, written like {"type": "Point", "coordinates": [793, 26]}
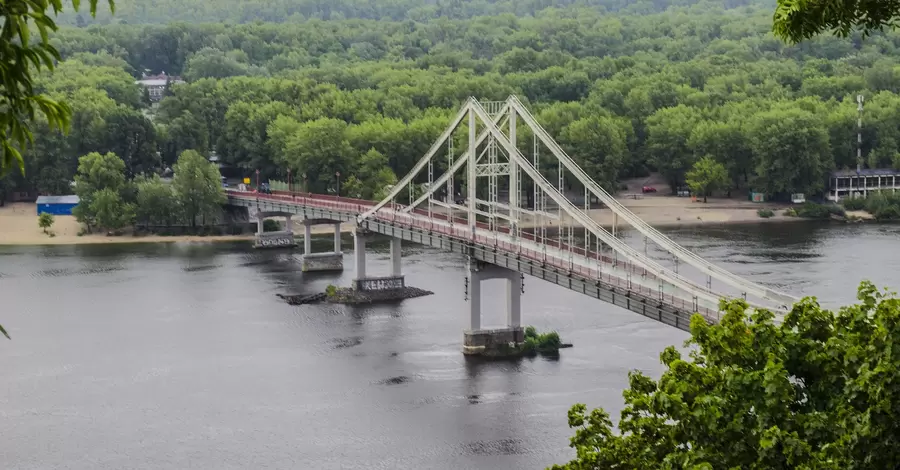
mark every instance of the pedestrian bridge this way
{"type": "Point", "coordinates": [543, 235]}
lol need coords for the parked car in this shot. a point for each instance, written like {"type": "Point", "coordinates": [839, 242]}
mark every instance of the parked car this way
{"type": "Point", "coordinates": [648, 189]}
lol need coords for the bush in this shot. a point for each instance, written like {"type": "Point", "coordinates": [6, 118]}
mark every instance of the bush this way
{"type": "Point", "coordinates": [331, 291]}
{"type": "Point", "coordinates": [765, 213]}
{"type": "Point", "coordinates": [270, 225]}
{"type": "Point", "coordinates": [854, 204]}
{"type": "Point", "coordinates": [546, 342]}
{"type": "Point", "coordinates": [790, 212]}
{"type": "Point", "coordinates": [812, 210]}
{"type": "Point", "coordinates": [45, 221]}
{"type": "Point", "coordinates": [883, 205]}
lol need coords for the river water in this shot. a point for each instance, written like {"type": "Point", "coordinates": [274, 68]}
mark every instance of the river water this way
{"type": "Point", "coordinates": [181, 356]}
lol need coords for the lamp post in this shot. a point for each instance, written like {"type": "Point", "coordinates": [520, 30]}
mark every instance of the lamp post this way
{"type": "Point", "coordinates": [257, 180]}
{"type": "Point", "coordinates": [305, 183]}
{"type": "Point", "coordinates": [337, 174]}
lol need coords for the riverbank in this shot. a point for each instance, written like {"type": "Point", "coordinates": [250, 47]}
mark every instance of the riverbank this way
{"type": "Point", "coordinates": [19, 226]}
{"type": "Point", "coordinates": [669, 211]}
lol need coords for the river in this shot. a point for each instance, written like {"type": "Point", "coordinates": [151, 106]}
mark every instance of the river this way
{"type": "Point", "coordinates": [181, 356]}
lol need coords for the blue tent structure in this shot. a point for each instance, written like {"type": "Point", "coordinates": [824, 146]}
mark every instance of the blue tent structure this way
{"type": "Point", "coordinates": [56, 205]}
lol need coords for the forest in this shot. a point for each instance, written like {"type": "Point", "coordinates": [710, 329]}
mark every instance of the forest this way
{"type": "Point", "coordinates": [364, 87]}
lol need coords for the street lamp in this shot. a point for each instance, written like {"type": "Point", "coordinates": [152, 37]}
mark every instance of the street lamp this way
{"type": "Point", "coordinates": [257, 180]}
{"type": "Point", "coordinates": [305, 184]}
{"type": "Point", "coordinates": [290, 189]}
{"type": "Point", "coordinates": [338, 175]}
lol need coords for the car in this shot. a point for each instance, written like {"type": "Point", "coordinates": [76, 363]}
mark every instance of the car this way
{"type": "Point", "coordinates": [648, 189]}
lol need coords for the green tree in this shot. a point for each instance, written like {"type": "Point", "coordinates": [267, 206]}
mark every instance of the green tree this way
{"type": "Point", "coordinates": [110, 211]}
{"type": "Point", "coordinates": [598, 144]}
{"type": "Point", "coordinates": [815, 391]}
{"type": "Point", "coordinates": [796, 20]}
{"type": "Point", "coordinates": [727, 142]}
{"type": "Point", "coordinates": [198, 187]}
{"type": "Point", "coordinates": [45, 221]}
{"type": "Point", "coordinates": [210, 62]}
{"type": "Point", "coordinates": [668, 133]}
{"type": "Point", "coordinates": [156, 201]}
{"type": "Point", "coordinates": [132, 137]}
{"type": "Point", "coordinates": [320, 148]}
{"type": "Point", "coordinates": [791, 150]}
{"type": "Point", "coordinates": [706, 176]}
{"type": "Point", "coordinates": [185, 132]}
{"type": "Point", "coordinates": [96, 173]}
{"type": "Point", "coordinates": [372, 178]}
{"type": "Point", "coordinates": [21, 102]}
{"type": "Point", "coordinates": [243, 143]}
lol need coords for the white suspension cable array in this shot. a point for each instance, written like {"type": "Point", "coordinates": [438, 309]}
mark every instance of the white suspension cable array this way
{"type": "Point", "coordinates": [663, 274]}
{"type": "Point", "coordinates": [567, 214]}
{"type": "Point", "coordinates": [643, 227]}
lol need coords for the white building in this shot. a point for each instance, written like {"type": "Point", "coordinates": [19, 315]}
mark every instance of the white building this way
{"type": "Point", "coordinates": [850, 183]}
{"type": "Point", "coordinates": [156, 84]}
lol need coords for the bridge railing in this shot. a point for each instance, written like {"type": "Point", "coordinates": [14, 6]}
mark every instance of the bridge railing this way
{"type": "Point", "coordinates": [457, 227]}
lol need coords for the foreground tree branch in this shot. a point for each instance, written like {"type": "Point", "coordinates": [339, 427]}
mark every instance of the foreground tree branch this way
{"type": "Point", "coordinates": [816, 391]}
{"type": "Point", "coordinates": [798, 20]}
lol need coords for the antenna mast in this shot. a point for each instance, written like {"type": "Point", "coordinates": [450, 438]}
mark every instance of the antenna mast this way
{"type": "Point", "coordinates": [859, 160]}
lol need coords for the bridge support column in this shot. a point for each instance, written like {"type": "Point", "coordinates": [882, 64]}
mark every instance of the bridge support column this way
{"type": "Point", "coordinates": [337, 237]}
{"type": "Point", "coordinates": [478, 341]}
{"type": "Point", "coordinates": [396, 258]}
{"type": "Point", "coordinates": [278, 239]}
{"type": "Point", "coordinates": [364, 282]}
{"type": "Point", "coordinates": [326, 261]}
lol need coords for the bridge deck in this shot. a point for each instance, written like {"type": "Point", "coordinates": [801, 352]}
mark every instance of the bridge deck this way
{"type": "Point", "coordinates": [545, 258]}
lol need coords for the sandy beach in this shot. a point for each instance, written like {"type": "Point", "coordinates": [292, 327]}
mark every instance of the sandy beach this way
{"type": "Point", "coordinates": [18, 222]}
{"type": "Point", "coordinates": [668, 211]}
{"type": "Point", "coordinates": [19, 226]}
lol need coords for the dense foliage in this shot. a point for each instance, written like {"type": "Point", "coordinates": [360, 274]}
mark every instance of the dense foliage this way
{"type": "Point", "coordinates": [816, 391]}
{"type": "Point", "coordinates": [110, 201]}
{"type": "Point", "coordinates": [625, 87]}
{"type": "Point", "coordinates": [796, 20]}
{"type": "Point", "coordinates": [882, 205]}
{"type": "Point", "coordinates": [20, 55]}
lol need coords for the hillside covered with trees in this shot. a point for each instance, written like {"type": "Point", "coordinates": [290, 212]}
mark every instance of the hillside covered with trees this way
{"type": "Point", "coordinates": [625, 87]}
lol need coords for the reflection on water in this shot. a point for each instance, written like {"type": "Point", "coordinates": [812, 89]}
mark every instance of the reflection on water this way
{"type": "Point", "coordinates": [180, 355]}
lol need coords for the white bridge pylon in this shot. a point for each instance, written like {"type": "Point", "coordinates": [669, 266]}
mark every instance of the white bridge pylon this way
{"type": "Point", "coordinates": [493, 136]}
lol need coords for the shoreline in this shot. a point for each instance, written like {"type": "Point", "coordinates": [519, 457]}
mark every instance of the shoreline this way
{"type": "Point", "coordinates": [18, 222]}
{"type": "Point", "coordinates": [18, 227]}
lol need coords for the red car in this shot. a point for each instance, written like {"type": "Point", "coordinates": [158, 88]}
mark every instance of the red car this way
{"type": "Point", "coordinates": [648, 189]}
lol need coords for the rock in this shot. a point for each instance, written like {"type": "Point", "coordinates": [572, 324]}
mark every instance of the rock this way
{"type": "Point", "coordinates": [346, 295]}
{"type": "Point", "coordinates": [302, 299]}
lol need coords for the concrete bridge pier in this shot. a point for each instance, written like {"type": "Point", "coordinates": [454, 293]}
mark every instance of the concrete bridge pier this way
{"type": "Point", "coordinates": [326, 261]}
{"type": "Point", "coordinates": [363, 281]}
{"type": "Point", "coordinates": [278, 239]}
{"type": "Point", "coordinates": [478, 341]}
